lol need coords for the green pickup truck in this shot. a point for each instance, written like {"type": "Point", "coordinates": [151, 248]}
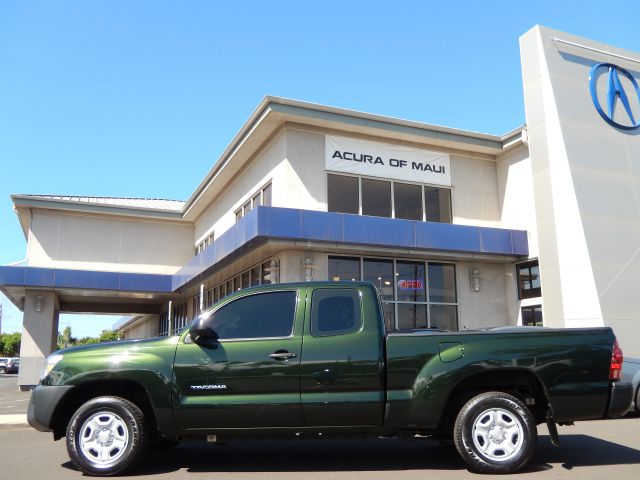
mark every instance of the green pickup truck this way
{"type": "Point", "coordinates": [313, 359]}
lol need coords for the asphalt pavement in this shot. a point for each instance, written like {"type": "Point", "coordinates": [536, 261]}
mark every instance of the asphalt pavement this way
{"type": "Point", "coordinates": [589, 450]}
{"type": "Point", "coordinates": [13, 402]}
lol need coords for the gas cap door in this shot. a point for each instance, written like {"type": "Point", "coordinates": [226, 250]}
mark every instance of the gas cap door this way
{"type": "Point", "coordinates": [450, 351]}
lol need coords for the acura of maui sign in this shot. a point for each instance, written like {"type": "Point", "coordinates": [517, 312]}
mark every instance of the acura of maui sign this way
{"type": "Point", "coordinates": [622, 99]}
{"type": "Point", "coordinates": [362, 157]}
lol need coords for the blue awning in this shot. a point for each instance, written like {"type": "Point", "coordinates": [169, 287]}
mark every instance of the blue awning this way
{"type": "Point", "coordinates": [265, 223]}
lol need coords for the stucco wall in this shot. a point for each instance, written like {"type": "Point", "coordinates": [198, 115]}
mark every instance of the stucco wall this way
{"type": "Point", "coordinates": [144, 327]}
{"type": "Point", "coordinates": [74, 241]}
{"type": "Point", "coordinates": [474, 198]}
{"type": "Point", "coordinates": [268, 165]}
{"type": "Point", "coordinates": [294, 163]}
{"type": "Point", "coordinates": [488, 307]}
{"type": "Point", "coordinates": [515, 195]}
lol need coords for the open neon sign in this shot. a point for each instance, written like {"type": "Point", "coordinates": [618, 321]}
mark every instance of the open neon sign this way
{"type": "Point", "coordinates": [415, 284]}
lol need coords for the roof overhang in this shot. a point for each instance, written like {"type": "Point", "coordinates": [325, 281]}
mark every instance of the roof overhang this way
{"type": "Point", "coordinates": [89, 291]}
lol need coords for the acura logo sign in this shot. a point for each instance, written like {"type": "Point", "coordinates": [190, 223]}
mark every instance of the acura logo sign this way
{"type": "Point", "coordinates": [616, 95]}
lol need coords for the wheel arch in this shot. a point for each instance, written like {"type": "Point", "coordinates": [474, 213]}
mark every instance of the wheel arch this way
{"type": "Point", "coordinates": [127, 389]}
{"type": "Point", "coordinates": [521, 383]}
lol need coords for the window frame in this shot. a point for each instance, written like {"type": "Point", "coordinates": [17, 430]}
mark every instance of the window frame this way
{"type": "Point", "coordinates": [250, 203]}
{"type": "Point", "coordinates": [393, 183]}
{"type": "Point", "coordinates": [254, 294]}
{"type": "Point", "coordinates": [524, 294]}
{"type": "Point", "coordinates": [394, 301]}
{"type": "Point", "coordinates": [532, 308]}
{"type": "Point", "coordinates": [358, 315]}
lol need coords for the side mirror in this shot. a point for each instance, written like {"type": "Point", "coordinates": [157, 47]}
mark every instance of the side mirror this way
{"type": "Point", "coordinates": [200, 332]}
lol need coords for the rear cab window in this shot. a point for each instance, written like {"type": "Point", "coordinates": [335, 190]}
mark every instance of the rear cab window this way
{"type": "Point", "coordinates": [335, 311]}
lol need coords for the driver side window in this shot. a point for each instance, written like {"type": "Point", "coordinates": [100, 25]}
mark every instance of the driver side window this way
{"type": "Point", "coordinates": [263, 315]}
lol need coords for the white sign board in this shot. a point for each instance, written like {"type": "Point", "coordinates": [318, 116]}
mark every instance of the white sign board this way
{"type": "Point", "coordinates": [373, 159]}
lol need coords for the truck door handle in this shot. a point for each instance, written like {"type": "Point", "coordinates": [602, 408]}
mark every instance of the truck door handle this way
{"type": "Point", "coordinates": [282, 355]}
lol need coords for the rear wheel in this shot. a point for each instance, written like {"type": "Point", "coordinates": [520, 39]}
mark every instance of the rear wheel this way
{"type": "Point", "coordinates": [106, 436]}
{"type": "Point", "coordinates": [3, 370]}
{"type": "Point", "coordinates": [495, 433]}
{"type": "Point", "coordinates": [638, 401]}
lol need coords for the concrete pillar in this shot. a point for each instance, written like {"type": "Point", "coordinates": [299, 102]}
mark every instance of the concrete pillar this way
{"type": "Point", "coordinates": [39, 335]}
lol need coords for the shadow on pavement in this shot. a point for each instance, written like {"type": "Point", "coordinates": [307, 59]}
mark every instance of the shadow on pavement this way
{"type": "Point", "coordinates": [366, 455]}
{"type": "Point", "coordinates": [585, 451]}
{"type": "Point", "coordinates": [301, 456]}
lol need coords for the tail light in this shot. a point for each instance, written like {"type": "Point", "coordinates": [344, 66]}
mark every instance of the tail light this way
{"type": "Point", "coordinates": [615, 370]}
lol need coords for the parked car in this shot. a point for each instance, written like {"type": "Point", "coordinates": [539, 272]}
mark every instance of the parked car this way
{"type": "Point", "coordinates": [10, 365]}
{"type": "Point", "coordinates": [631, 373]}
{"type": "Point", "coordinates": [3, 363]}
{"type": "Point", "coordinates": [311, 359]}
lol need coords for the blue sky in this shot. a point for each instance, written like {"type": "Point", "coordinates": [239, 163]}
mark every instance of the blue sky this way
{"type": "Point", "coordinates": [139, 98]}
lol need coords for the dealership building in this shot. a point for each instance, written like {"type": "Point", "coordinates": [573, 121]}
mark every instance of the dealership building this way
{"type": "Point", "coordinates": [459, 230]}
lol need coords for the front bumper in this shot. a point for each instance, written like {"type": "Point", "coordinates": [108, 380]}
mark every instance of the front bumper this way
{"type": "Point", "coordinates": [620, 399]}
{"type": "Point", "coordinates": [43, 405]}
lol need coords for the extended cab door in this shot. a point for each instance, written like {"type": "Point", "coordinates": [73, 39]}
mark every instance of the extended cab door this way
{"type": "Point", "coordinates": [342, 380]}
{"type": "Point", "coordinates": [249, 377]}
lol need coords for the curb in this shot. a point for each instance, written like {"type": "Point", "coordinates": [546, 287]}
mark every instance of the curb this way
{"type": "Point", "coordinates": [12, 421]}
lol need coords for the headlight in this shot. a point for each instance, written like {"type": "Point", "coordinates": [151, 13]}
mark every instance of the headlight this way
{"type": "Point", "coordinates": [52, 360]}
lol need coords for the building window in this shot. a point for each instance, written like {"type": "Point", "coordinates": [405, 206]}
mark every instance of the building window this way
{"type": "Point", "coordinates": [266, 196]}
{"type": "Point", "coordinates": [407, 200]}
{"type": "Point", "coordinates": [179, 314]}
{"type": "Point", "coordinates": [255, 276]}
{"type": "Point", "coordinates": [261, 197]}
{"type": "Point", "coordinates": [344, 269]}
{"type": "Point", "coordinates": [376, 198]}
{"type": "Point", "coordinates": [195, 306]}
{"type": "Point", "coordinates": [343, 194]}
{"type": "Point", "coordinates": [528, 275]}
{"type": "Point", "coordinates": [381, 198]}
{"type": "Point", "coordinates": [414, 294]}
{"type": "Point", "coordinates": [258, 275]}
{"type": "Point", "coordinates": [532, 316]}
{"type": "Point", "coordinates": [204, 244]}
{"type": "Point", "coordinates": [266, 273]}
{"type": "Point", "coordinates": [163, 329]}
{"type": "Point", "coordinates": [380, 273]}
{"type": "Point", "coordinates": [437, 203]}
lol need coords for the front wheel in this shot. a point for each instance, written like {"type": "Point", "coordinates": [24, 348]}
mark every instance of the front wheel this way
{"type": "Point", "coordinates": [495, 433]}
{"type": "Point", "coordinates": [106, 436]}
{"type": "Point", "coordinates": [3, 370]}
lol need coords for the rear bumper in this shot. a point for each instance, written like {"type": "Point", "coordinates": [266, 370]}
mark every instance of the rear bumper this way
{"type": "Point", "coordinates": [620, 399]}
{"type": "Point", "coordinates": [43, 404]}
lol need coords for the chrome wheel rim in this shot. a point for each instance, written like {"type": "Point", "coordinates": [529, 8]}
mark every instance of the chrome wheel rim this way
{"type": "Point", "coordinates": [103, 438]}
{"type": "Point", "coordinates": [498, 434]}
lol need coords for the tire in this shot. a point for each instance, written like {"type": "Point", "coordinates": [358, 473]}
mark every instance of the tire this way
{"type": "Point", "coordinates": [495, 433]}
{"type": "Point", "coordinates": [638, 401]}
{"type": "Point", "coordinates": [2, 371]}
{"type": "Point", "coordinates": [106, 436]}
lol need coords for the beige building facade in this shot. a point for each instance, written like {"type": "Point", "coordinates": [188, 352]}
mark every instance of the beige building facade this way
{"type": "Point", "coordinates": [452, 226]}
